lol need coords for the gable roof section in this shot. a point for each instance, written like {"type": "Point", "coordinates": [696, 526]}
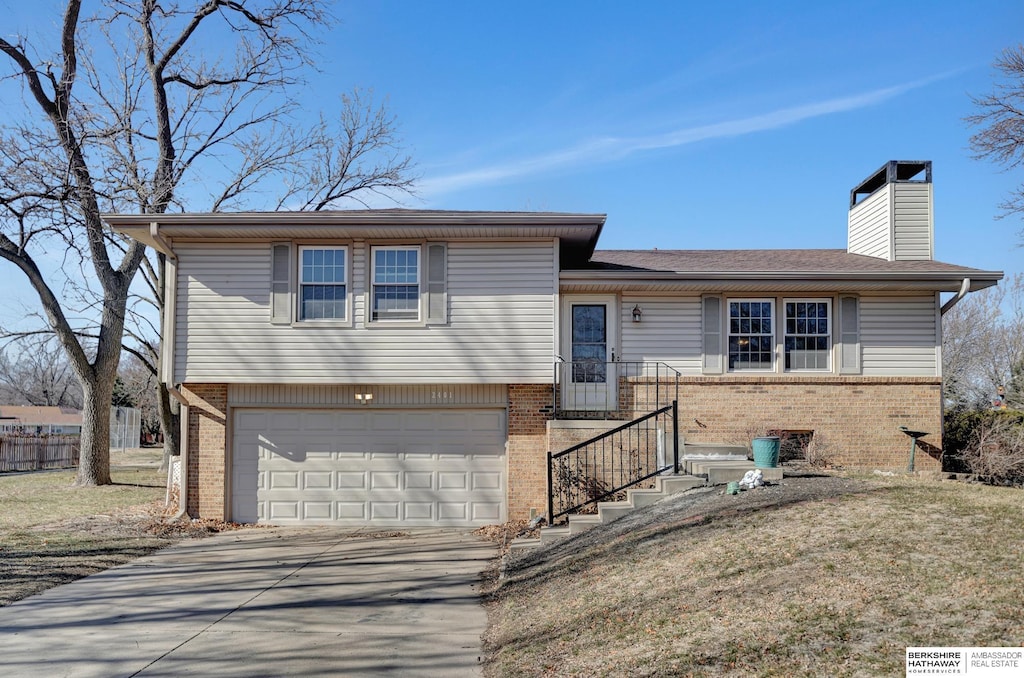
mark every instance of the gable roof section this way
{"type": "Point", "coordinates": [578, 233]}
{"type": "Point", "coordinates": [766, 270]}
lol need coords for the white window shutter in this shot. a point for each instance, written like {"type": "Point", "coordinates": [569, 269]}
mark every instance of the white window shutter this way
{"type": "Point", "coordinates": [280, 283]}
{"type": "Point", "coordinates": [849, 335]}
{"type": "Point", "coordinates": [437, 288]}
{"type": "Point", "coordinates": [711, 319]}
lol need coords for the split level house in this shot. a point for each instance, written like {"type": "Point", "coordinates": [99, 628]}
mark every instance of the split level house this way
{"type": "Point", "coordinates": [415, 367]}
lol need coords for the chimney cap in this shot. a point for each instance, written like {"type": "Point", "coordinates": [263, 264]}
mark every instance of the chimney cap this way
{"type": "Point", "coordinates": [892, 172]}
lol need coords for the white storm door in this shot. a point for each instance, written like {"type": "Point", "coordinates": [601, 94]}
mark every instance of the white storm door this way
{"type": "Point", "coordinates": [589, 378]}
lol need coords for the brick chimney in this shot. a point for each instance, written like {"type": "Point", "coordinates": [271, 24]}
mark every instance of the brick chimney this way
{"type": "Point", "coordinates": [891, 213]}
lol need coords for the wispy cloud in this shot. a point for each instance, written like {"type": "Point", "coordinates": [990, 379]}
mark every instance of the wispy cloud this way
{"type": "Point", "coordinates": [607, 149]}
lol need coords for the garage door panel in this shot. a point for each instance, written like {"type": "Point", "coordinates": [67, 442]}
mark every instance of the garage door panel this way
{"type": "Point", "coordinates": [283, 480]}
{"type": "Point", "coordinates": [384, 480]}
{"type": "Point", "coordinates": [419, 480]}
{"type": "Point", "coordinates": [486, 513]}
{"type": "Point", "coordinates": [351, 510]}
{"type": "Point", "coordinates": [418, 511]}
{"type": "Point", "coordinates": [384, 510]}
{"type": "Point", "coordinates": [452, 511]}
{"type": "Point", "coordinates": [452, 481]}
{"type": "Point", "coordinates": [351, 480]}
{"type": "Point", "coordinates": [317, 510]}
{"type": "Point", "coordinates": [318, 421]}
{"type": "Point", "coordinates": [283, 510]}
{"type": "Point", "coordinates": [485, 481]}
{"type": "Point", "coordinates": [416, 467]}
{"type": "Point", "coordinates": [317, 480]}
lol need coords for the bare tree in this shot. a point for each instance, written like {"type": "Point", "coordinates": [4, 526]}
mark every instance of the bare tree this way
{"type": "Point", "coordinates": [154, 107]}
{"type": "Point", "coordinates": [983, 347]}
{"type": "Point", "coordinates": [37, 373]}
{"type": "Point", "coordinates": [1000, 121]}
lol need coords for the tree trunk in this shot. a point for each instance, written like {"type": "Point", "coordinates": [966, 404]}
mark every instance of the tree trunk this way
{"type": "Point", "coordinates": [94, 457]}
{"type": "Point", "coordinates": [170, 425]}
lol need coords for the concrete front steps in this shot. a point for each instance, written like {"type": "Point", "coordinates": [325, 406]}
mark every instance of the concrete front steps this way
{"type": "Point", "coordinates": [607, 511]}
{"type": "Point", "coordinates": [701, 464]}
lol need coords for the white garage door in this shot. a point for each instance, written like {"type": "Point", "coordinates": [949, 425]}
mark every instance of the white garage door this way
{"type": "Point", "coordinates": [384, 467]}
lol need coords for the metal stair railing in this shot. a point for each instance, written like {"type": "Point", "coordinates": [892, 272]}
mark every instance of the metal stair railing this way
{"type": "Point", "coordinates": [616, 389]}
{"type": "Point", "coordinates": [607, 464]}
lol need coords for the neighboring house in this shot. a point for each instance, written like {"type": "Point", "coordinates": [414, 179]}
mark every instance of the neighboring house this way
{"type": "Point", "coordinates": [398, 366]}
{"type": "Point", "coordinates": [39, 420]}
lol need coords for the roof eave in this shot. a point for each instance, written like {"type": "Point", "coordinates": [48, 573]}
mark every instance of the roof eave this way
{"type": "Point", "coordinates": [940, 281]}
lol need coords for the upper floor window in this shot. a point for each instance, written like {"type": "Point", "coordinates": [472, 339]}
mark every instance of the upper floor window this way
{"type": "Point", "coordinates": [323, 288]}
{"type": "Point", "coordinates": [751, 334]}
{"type": "Point", "coordinates": [396, 283]}
{"type": "Point", "coordinates": [808, 334]}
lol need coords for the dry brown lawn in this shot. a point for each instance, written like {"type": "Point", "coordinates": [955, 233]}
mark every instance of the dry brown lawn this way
{"type": "Point", "coordinates": [52, 533]}
{"type": "Point", "coordinates": [793, 582]}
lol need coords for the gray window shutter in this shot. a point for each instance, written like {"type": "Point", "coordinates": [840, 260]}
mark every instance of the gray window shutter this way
{"type": "Point", "coordinates": [849, 335]}
{"type": "Point", "coordinates": [437, 275]}
{"type": "Point", "coordinates": [711, 317]}
{"type": "Point", "coordinates": [280, 283]}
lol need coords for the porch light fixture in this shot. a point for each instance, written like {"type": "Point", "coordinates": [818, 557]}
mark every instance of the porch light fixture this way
{"type": "Point", "coordinates": [638, 313]}
{"type": "Point", "coordinates": [364, 398]}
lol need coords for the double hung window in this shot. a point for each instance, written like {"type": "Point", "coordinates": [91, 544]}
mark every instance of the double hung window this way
{"type": "Point", "coordinates": [396, 283]}
{"type": "Point", "coordinates": [808, 336]}
{"type": "Point", "coordinates": [323, 283]}
{"type": "Point", "coordinates": [751, 334]}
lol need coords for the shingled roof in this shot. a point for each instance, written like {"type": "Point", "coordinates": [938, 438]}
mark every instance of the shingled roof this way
{"type": "Point", "coordinates": [765, 270]}
{"type": "Point", "coordinates": [765, 261]}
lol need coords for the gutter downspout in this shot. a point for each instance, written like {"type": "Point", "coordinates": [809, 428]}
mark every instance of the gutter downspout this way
{"type": "Point", "coordinates": [169, 319]}
{"type": "Point", "coordinates": [965, 287]}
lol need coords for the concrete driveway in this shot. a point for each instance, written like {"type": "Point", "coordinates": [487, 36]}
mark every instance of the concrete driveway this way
{"type": "Point", "coordinates": [279, 602]}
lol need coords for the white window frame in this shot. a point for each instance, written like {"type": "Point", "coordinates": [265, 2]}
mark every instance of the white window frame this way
{"type": "Point", "coordinates": [346, 284]}
{"type": "Point", "coordinates": [830, 319]}
{"type": "Point", "coordinates": [372, 301]}
{"type": "Point", "coordinates": [730, 334]}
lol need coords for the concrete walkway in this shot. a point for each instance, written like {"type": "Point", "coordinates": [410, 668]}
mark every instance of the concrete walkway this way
{"type": "Point", "coordinates": [301, 602]}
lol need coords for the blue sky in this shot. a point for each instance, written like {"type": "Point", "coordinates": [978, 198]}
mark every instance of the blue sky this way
{"type": "Point", "coordinates": [692, 125]}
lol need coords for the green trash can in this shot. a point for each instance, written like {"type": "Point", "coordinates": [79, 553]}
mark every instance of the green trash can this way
{"type": "Point", "coordinates": [766, 451]}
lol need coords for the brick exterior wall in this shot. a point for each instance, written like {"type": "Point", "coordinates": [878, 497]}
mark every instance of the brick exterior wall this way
{"type": "Point", "coordinates": [529, 408]}
{"type": "Point", "coordinates": [207, 441]}
{"type": "Point", "coordinates": [855, 420]}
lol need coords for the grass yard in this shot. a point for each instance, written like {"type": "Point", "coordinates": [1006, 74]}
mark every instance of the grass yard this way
{"type": "Point", "coordinates": [835, 586]}
{"type": "Point", "coordinates": [44, 497]}
{"type": "Point", "coordinates": [52, 532]}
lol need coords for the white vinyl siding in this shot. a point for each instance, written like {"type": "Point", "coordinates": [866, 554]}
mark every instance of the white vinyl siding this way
{"type": "Point", "coordinates": [406, 396]}
{"type": "Point", "coordinates": [669, 332]}
{"type": "Point", "coordinates": [912, 222]}
{"type": "Point", "coordinates": [899, 336]}
{"type": "Point", "coordinates": [870, 226]}
{"type": "Point", "coordinates": [500, 327]}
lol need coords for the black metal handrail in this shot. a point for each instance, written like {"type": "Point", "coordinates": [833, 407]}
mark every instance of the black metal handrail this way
{"type": "Point", "coordinates": [613, 461]}
{"type": "Point", "coordinates": [618, 389]}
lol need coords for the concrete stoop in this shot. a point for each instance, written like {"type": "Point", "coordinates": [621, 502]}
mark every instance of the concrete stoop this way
{"type": "Point", "coordinates": [703, 465]}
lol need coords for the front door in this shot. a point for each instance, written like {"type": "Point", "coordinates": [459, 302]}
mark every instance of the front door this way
{"type": "Point", "coordinates": [588, 377]}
